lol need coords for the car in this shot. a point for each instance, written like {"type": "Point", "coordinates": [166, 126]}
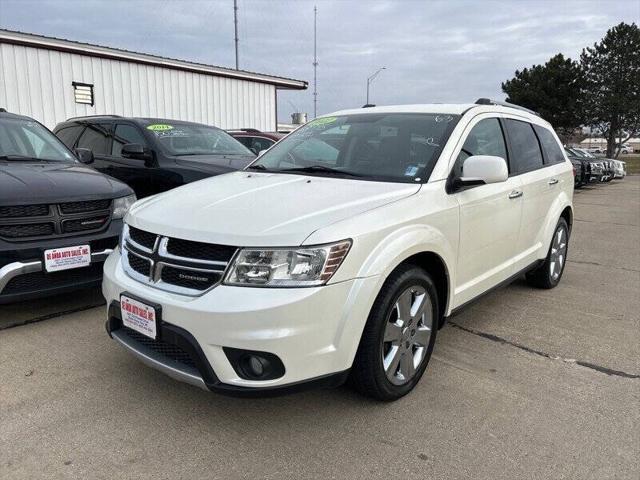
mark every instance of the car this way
{"type": "Point", "coordinates": [595, 149]}
{"type": "Point", "coordinates": [593, 166]}
{"type": "Point", "coordinates": [578, 172]}
{"type": "Point", "coordinates": [341, 250]}
{"type": "Point", "coordinates": [59, 219]}
{"type": "Point", "coordinates": [620, 169]}
{"type": "Point", "coordinates": [153, 155]}
{"type": "Point", "coordinates": [255, 140]}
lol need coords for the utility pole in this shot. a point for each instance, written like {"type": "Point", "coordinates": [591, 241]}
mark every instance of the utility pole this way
{"type": "Point", "coordinates": [315, 63]}
{"type": "Point", "coordinates": [235, 24]}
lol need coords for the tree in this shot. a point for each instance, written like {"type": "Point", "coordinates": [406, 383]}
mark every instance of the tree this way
{"type": "Point", "coordinates": [611, 72]}
{"type": "Point", "coordinates": [554, 90]}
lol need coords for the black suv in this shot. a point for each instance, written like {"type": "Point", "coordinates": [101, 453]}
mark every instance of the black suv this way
{"type": "Point", "coordinates": [59, 219]}
{"type": "Point", "coordinates": [153, 155]}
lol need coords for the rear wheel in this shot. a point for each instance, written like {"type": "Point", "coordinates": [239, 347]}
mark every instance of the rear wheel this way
{"type": "Point", "coordinates": [399, 336]}
{"type": "Point", "coordinates": [548, 274]}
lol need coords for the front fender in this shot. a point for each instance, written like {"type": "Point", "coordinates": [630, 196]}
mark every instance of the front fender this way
{"type": "Point", "coordinates": [405, 243]}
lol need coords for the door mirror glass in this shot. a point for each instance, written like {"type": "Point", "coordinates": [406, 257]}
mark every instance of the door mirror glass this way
{"type": "Point", "coordinates": [84, 155]}
{"type": "Point", "coordinates": [135, 150]}
{"type": "Point", "coordinates": [484, 169]}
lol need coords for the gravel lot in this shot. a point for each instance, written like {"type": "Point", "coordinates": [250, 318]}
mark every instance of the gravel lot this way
{"type": "Point", "coordinates": [524, 384]}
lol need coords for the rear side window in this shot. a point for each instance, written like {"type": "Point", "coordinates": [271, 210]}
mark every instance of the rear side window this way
{"type": "Point", "coordinates": [69, 135]}
{"type": "Point", "coordinates": [95, 138]}
{"type": "Point", "coordinates": [525, 149]}
{"type": "Point", "coordinates": [123, 135]}
{"type": "Point", "coordinates": [258, 144]}
{"type": "Point", "coordinates": [550, 147]}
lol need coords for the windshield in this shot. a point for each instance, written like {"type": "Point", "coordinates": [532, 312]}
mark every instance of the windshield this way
{"type": "Point", "coordinates": [400, 147]}
{"type": "Point", "coordinates": [23, 139]}
{"type": "Point", "coordinates": [187, 139]}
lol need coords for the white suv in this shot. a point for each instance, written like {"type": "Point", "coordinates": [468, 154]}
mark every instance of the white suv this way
{"type": "Point", "coordinates": [342, 249]}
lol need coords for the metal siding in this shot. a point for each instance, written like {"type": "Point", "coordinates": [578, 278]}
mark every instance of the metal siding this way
{"type": "Point", "coordinates": [37, 82]}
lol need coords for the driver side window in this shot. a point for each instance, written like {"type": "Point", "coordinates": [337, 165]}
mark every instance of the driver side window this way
{"type": "Point", "coordinates": [485, 138]}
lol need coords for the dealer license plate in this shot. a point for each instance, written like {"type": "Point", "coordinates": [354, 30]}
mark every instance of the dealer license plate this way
{"type": "Point", "coordinates": [57, 259]}
{"type": "Point", "coordinates": [138, 316]}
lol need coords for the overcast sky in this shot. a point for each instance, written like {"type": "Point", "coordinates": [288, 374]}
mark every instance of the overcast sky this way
{"type": "Point", "coordinates": [433, 51]}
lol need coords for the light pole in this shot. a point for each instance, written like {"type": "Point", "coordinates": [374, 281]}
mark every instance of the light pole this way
{"type": "Point", "coordinates": [371, 79]}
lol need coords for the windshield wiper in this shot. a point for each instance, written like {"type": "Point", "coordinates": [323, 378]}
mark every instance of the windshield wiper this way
{"type": "Point", "coordinates": [256, 167]}
{"type": "Point", "coordinates": [320, 169]}
{"type": "Point", "coordinates": [17, 157]}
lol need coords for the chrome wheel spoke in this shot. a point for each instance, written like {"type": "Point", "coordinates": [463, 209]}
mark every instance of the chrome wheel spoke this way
{"type": "Point", "coordinates": [422, 336]}
{"type": "Point", "coordinates": [393, 333]}
{"type": "Point", "coordinates": [407, 368]}
{"type": "Point", "coordinates": [419, 304]}
{"type": "Point", "coordinates": [403, 307]}
{"type": "Point", "coordinates": [392, 360]}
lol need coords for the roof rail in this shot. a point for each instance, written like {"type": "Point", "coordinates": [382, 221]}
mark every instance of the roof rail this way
{"type": "Point", "coordinates": [488, 101]}
{"type": "Point", "coordinates": [93, 116]}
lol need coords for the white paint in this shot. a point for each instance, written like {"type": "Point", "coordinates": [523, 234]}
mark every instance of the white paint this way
{"type": "Point", "coordinates": [37, 82]}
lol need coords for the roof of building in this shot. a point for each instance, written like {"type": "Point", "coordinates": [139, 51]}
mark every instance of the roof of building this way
{"type": "Point", "coordinates": [70, 46]}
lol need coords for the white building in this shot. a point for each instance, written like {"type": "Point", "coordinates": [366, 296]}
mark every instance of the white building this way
{"type": "Point", "coordinates": [52, 80]}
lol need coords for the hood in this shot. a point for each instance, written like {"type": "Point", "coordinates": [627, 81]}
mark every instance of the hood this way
{"type": "Point", "coordinates": [22, 183]}
{"type": "Point", "coordinates": [260, 209]}
{"type": "Point", "coordinates": [215, 163]}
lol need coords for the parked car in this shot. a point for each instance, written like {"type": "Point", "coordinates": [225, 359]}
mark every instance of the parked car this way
{"type": "Point", "coordinates": [593, 166]}
{"type": "Point", "coordinates": [59, 219]}
{"type": "Point", "coordinates": [595, 149]}
{"type": "Point", "coordinates": [579, 178]}
{"type": "Point", "coordinates": [255, 140]}
{"type": "Point", "coordinates": [626, 149]}
{"type": "Point", "coordinates": [620, 169]}
{"type": "Point", "coordinates": [342, 249]}
{"type": "Point", "coordinates": [153, 155]}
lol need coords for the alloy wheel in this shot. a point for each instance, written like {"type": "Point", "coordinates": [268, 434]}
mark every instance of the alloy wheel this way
{"type": "Point", "coordinates": [407, 334]}
{"type": "Point", "coordinates": [558, 253]}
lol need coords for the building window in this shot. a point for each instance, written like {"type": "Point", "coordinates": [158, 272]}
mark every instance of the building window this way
{"type": "Point", "coordinates": [83, 93]}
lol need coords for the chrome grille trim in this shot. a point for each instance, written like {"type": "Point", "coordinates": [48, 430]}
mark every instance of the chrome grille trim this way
{"type": "Point", "coordinates": [159, 257]}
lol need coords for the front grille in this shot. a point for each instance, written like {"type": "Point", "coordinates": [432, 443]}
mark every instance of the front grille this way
{"type": "Point", "coordinates": [83, 224]}
{"type": "Point", "coordinates": [143, 238]}
{"type": "Point", "coordinates": [24, 211]}
{"type": "Point", "coordinates": [27, 230]}
{"type": "Point", "coordinates": [195, 280]}
{"type": "Point", "coordinates": [37, 281]}
{"type": "Point", "coordinates": [179, 266]}
{"type": "Point", "coordinates": [138, 264]}
{"type": "Point", "coordinates": [200, 250]}
{"type": "Point", "coordinates": [161, 347]}
{"type": "Point", "coordinates": [85, 206]}
{"type": "Point", "coordinates": [21, 222]}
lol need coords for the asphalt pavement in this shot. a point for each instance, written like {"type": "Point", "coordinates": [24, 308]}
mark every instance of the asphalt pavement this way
{"type": "Point", "coordinates": [524, 384]}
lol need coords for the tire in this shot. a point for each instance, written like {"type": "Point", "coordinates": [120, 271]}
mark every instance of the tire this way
{"type": "Point", "coordinates": [548, 274]}
{"type": "Point", "coordinates": [404, 346]}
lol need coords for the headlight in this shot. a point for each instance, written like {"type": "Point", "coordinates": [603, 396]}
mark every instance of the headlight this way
{"type": "Point", "coordinates": [121, 205]}
{"type": "Point", "coordinates": [287, 267]}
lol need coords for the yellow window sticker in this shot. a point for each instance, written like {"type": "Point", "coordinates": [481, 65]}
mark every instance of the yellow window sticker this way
{"type": "Point", "coordinates": [159, 127]}
{"type": "Point", "coordinates": [323, 120]}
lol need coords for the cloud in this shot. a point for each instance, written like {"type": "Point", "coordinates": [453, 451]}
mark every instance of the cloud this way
{"type": "Point", "coordinates": [434, 51]}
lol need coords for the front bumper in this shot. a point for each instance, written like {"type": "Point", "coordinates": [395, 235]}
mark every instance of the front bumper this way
{"type": "Point", "coordinates": [22, 275]}
{"type": "Point", "coordinates": [314, 331]}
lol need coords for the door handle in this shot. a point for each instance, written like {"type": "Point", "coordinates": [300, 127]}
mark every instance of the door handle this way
{"type": "Point", "coordinates": [553, 181]}
{"type": "Point", "coordinates": [515, 194]}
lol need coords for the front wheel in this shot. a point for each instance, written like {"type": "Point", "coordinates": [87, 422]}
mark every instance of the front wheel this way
{"type": "Point", "coordinates": [398, 337]}
{"type": "Point", "coordinates": [548, 274]}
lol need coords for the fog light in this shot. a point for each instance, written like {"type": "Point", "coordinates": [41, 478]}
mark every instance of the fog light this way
{"type": "Point", "coordinates": [256, 366]}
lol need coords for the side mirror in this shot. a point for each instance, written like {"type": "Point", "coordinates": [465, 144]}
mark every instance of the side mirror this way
{"type": "Point", "coordinates": [261, 152]}
{"type": "Point", "coordinates": [483, 169]}
{"type": "Point", "coordinates": [135, 150]}
{"type": "Point", "coordinates": [84, 155]}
